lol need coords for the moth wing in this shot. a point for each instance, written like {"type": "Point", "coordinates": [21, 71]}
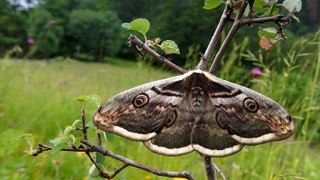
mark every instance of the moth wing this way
{"type": "Point", "coordinates": [173, 140]}
{"type": "Point", "coordinates": [266, 121]}
{"type": "Point", "coordinates": [140, 119]}
{"type": "Point", "coordinates": [210, 139]}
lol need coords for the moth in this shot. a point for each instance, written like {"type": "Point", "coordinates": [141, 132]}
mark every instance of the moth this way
{"type": "Point", "coordinates": [196, 111]}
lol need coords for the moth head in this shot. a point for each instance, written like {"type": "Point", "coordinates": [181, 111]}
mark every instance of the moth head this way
{"type": "Point", "coordinates": [254, 119]}
{"type": "Point", "coordinates": [135, 115]}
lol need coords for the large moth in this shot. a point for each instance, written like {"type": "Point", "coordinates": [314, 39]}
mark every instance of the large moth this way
{"type": "Point", "coordinates": [194, 111]}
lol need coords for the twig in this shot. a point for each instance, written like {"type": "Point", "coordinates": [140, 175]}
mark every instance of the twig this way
{"type": "Point", "coordinates": [117, 170]}
{"type": "Point", "coordinates": [84, 128]}
{"type": "Point", "coordinates": [215, 38]}
{"type": "Point", "coordinates": [218, 170]}
{"type": "Point", "coordinates": [98, 148]}
{"type": "Point", "coordinates": [134, 41]}
{"type": "Point", "coordinates": [208, 165]}
{"type": "Point", "coordinates": [99, 139]}
{"type": "Point", "coordinates": [276, 18]}
{"type": "Point", "coordinates": [235, 26]}
{"type": "Point", "coordinates": [132, 163]}
{"type": "Point", "coordinates": [42, 148]}
{"type": "Point", "coordinates": [103, 174]}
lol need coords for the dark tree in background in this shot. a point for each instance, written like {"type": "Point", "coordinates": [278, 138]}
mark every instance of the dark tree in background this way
{"type": "Point", "coordinates": [95, 32]}
{"type": "Point", "coordinates": [12, 26]}
{"type": "Point", "coordinates": [165, 15]}
{"type": "Point", "coordinates": [46, 32]}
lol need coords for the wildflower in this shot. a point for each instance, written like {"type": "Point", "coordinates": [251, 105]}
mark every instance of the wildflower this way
{"type": "Point", "coordinates": [256, 72]}
{"type": "Point", "coordinates": [30, 41]}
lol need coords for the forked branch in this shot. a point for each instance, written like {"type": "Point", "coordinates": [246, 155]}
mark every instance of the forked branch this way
{"type": "Point", "coordinates": [89, 148]}
{"type": "Point", "coordinates": [215, 38]}
{"type": "Point", "coordinates": [140, 46]}
{"type": "Point", "coordinates": [235, 26]}
{"type": "Point", "coordinates": [239, 21]}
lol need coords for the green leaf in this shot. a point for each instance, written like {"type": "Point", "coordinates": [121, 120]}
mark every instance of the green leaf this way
{"type": "Point", "coordinates": [275, 11]}
{"type": "Point", "coordinates": [62, 142]}
{"type": "Point", "coordinates": [90, 103]}
{"type": "Point", "coordinates": [93, 99]}
{"type": "Point", "coordinates": [90, 124]}
{"type": "Point", "coordinates": [104, 134]}
{"type": "Point", "coordinates": [93, 171]}
{"type": "Point", "coordinates": [30, 140]}
{"type": "Point", "coordinates": [100, 158]}
{"type": "Point", "coordinates": [292, 5]}
{"type": "Point", "coordinates": [270, 33]}
{"type": "Point", "coordinates": [157, 40]}
{"type": "Point", "coordinates": [76, 123]}
{"type": "Point", "coordinates": [68, 130]}
{"type": "Point", "coordinates": [80, 98]}
{"type": "Point", "coordinates": [141, 25]}
{"type": "Point", "coordinates": [211, 4]}
{"type": "Point", "coordinates": [126, 26]}
{"type": "Point", "coordinates": [296, 18]}
{"type": "Point", "coordinates": [59, 140]}
{"type": "Point", "coordinates": [258, 6]}
{"type": "Point", "coordinates": [170, 47]}
{"type": "Point", "coordinates": [71, 138]}
{"type": "Point", "coordinates": [58, 148]}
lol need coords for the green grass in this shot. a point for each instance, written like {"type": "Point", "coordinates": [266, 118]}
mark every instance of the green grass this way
{"type": "Point", "coordinates": [37, 97]}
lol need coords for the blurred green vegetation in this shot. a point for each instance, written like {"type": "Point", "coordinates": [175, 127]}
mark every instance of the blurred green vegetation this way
{"type": "Point", "coordinates": [91, 29]}
{"type": "Point", "coordinates": [37, 97]}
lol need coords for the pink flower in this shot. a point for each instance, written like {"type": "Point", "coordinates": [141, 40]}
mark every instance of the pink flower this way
{"type": "Point", "coordinates": [30, 41]}
{"type": "Point", "coordinates": [256, 72]}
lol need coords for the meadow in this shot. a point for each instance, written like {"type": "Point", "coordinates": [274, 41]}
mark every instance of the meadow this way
{"type": "Point", "coordinates": [38, 97]}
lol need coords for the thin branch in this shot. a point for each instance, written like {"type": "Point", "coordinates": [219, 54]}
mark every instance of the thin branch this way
{"type": "Point", "coordinates": [42, 148]}
{"type": "Point", "coordinates": [98, 148]}
{"type": "Point", "coordinates": [277, 18]}
{"type": "Point", "coordinates": [134, 41]}
{"type": "Point", "coordinates": [118, 170]}
{"type": "Point", "coordinates": [103, 174]}
{"type": "Point", "coordinates": [218, 170]}
{"type": "Point", "coordinates": [235, 26]}
{"type": "Point", "coordinates": [215, 38]}
{"type": "Point", "coordinates": [84, 128]}
{"type": "Point", "coordinates": [132, 163]}
{"type": "Point", "coordinates": [99, 139]}
{"type": "Point", "coordinates": [209, 167]}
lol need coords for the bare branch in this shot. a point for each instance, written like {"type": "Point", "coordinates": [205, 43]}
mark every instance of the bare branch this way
{"type": "Point", "coordinates": [132, 163]}
{"type": "Point", "coordinates": [235, 26]}
{"type": "Point", "coordinates": [42, 148]}
{"type": "Point", "coordinates": [277, 18]}
{"type": "Point", "coordinates": [98, 148]}
{"type": "Point", "coordinates": [102, 174]}
{"type": "Point", "coordinates": [208, 165]}
{"type": "Point", "coordinates": [135, 42]}
{"type": "Point", "coordinates": [223, 177]}
{"type": "Point", "coordinates": [215, 38]}
{"type": "Point", "coordinates": [84, 128]}
{"type": "Point", "coordinates": [118, 170]}
{"type": "Point", "coordinates": [280, 20]}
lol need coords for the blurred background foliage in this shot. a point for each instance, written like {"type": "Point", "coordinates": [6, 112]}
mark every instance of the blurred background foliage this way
{"type": "Point", "coordinates": [90, 30]}
{"type": "Point", "coordinates": [36, 96]}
